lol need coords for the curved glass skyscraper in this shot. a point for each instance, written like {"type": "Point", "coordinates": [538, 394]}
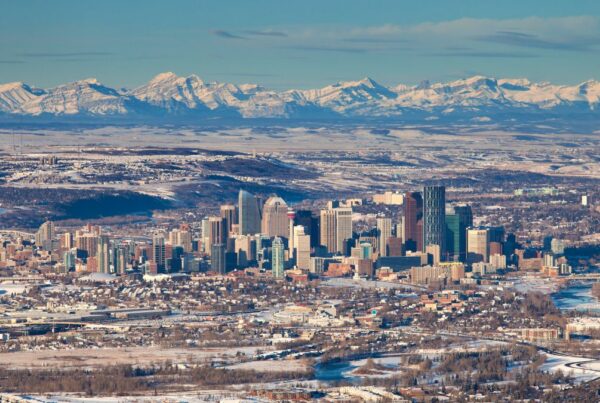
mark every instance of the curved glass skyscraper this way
{"type": "Point", "coordinates": [275, 220]}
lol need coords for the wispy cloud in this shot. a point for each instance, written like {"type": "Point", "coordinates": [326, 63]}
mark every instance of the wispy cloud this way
{"type": "Point", "coordinates": [559, 27]}
{"type": "Point", "coordinates": [483, 38]}
{"type": "Point", "coordinates": [72, 59]}
{"type": "Point", "coordinates": [328, 49]}
{"type": "Point", "coordinates": [571, 33]}
{"type": "Point", "coordinates": [525, 40]}
{"type": "Point", "coordinates": [267, 32]}
{"type": "Point", "coordinates": [482, 54]}
{"type": "Point", "coordinates": [55, 55]}
{"type": "Point", "coordinates": [374, 40]}
{"type": "Point", "coordinates": [226, 34]}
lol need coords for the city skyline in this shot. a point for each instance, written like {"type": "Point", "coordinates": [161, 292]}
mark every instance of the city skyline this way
{"type": "Point", "coordinates": [283, 241]}
{"type": "Point", "coordinates": [277, 201]}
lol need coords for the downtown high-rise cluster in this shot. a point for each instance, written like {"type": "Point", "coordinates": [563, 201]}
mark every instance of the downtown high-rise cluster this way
{"type": "Point", "coordinates": [436, 237]}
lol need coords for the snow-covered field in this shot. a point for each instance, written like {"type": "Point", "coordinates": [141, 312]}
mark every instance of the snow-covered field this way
{"type": "Point", "coordinates": [197, 397]}
{"type": "Point", "coordinates": [583, 370]}
{"type": "Point", "coordinates": [528, 284]}
{"type": "Point", "coordinates": [272, 365]}
{"type": "Point", "coordinates": [361, 283]}
{"type": "Point", "coordinates": [9, 289]}
{"type": "Point", "coordinates": [85, 357]}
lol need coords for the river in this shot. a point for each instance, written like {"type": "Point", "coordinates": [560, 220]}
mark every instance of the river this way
{"type": "Point", "coordinates": [342, 370]}
{"type": "Point", "coordinates": [334, 371]}
{"type": "Point", "coordinates": [577, 295]}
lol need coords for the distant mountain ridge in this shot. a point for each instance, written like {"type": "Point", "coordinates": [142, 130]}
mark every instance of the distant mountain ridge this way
{"type": "Point", "coordinates": [170, 97]}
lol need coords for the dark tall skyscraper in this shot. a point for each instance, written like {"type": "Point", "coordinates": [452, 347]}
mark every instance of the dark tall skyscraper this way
{"type": "Point", "coordinates": [454, 237]}
{"type": "Point", "coordinates": [159, 252]}
{"type": "Point", "coordinates": [103, 254]}
{"type": "Point", "coordinates": [217, 231]}
{"type": "Point", "coordinates": [310, 222]}
{"type": "Point", "coordinates": [465, 213]}
{"type": "Point", "coordinates": [218, 261]}
{"type": "Point", "coordinates": [457, 221]}
{"type": "Point", "coordinates": [420, 234]}
{"type": "Point", "coordinates": [496, 234]}
{"type": "Point", "coordinates": [434, 217]}
{"type": "Point", "coordinates": [413, 210]}
{"type": "Point", "coordinates": [249, 213]}
{"type": "Point", "coordinates": [510, 245]}
{"type": "Point", "coordinates": [119, 258]}
{"type": "Point", "coordinates": [230, 215]}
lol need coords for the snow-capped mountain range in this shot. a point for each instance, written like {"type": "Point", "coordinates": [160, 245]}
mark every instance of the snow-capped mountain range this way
{"type": "Point", "coordinates": [170, 97]}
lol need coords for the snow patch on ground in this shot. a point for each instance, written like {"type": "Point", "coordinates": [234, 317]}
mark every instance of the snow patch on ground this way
{"type": "Point", "coordinates": [583, 370]}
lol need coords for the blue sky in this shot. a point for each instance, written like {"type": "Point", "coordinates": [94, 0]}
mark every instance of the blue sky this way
{"type": "Point", "coordinates": [301, 44]}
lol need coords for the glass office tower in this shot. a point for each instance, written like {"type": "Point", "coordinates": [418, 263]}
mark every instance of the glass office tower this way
{"type": "Point", "coordinates": [434, 217]}
{"type": "Point", "coordinates": [249, 217]}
